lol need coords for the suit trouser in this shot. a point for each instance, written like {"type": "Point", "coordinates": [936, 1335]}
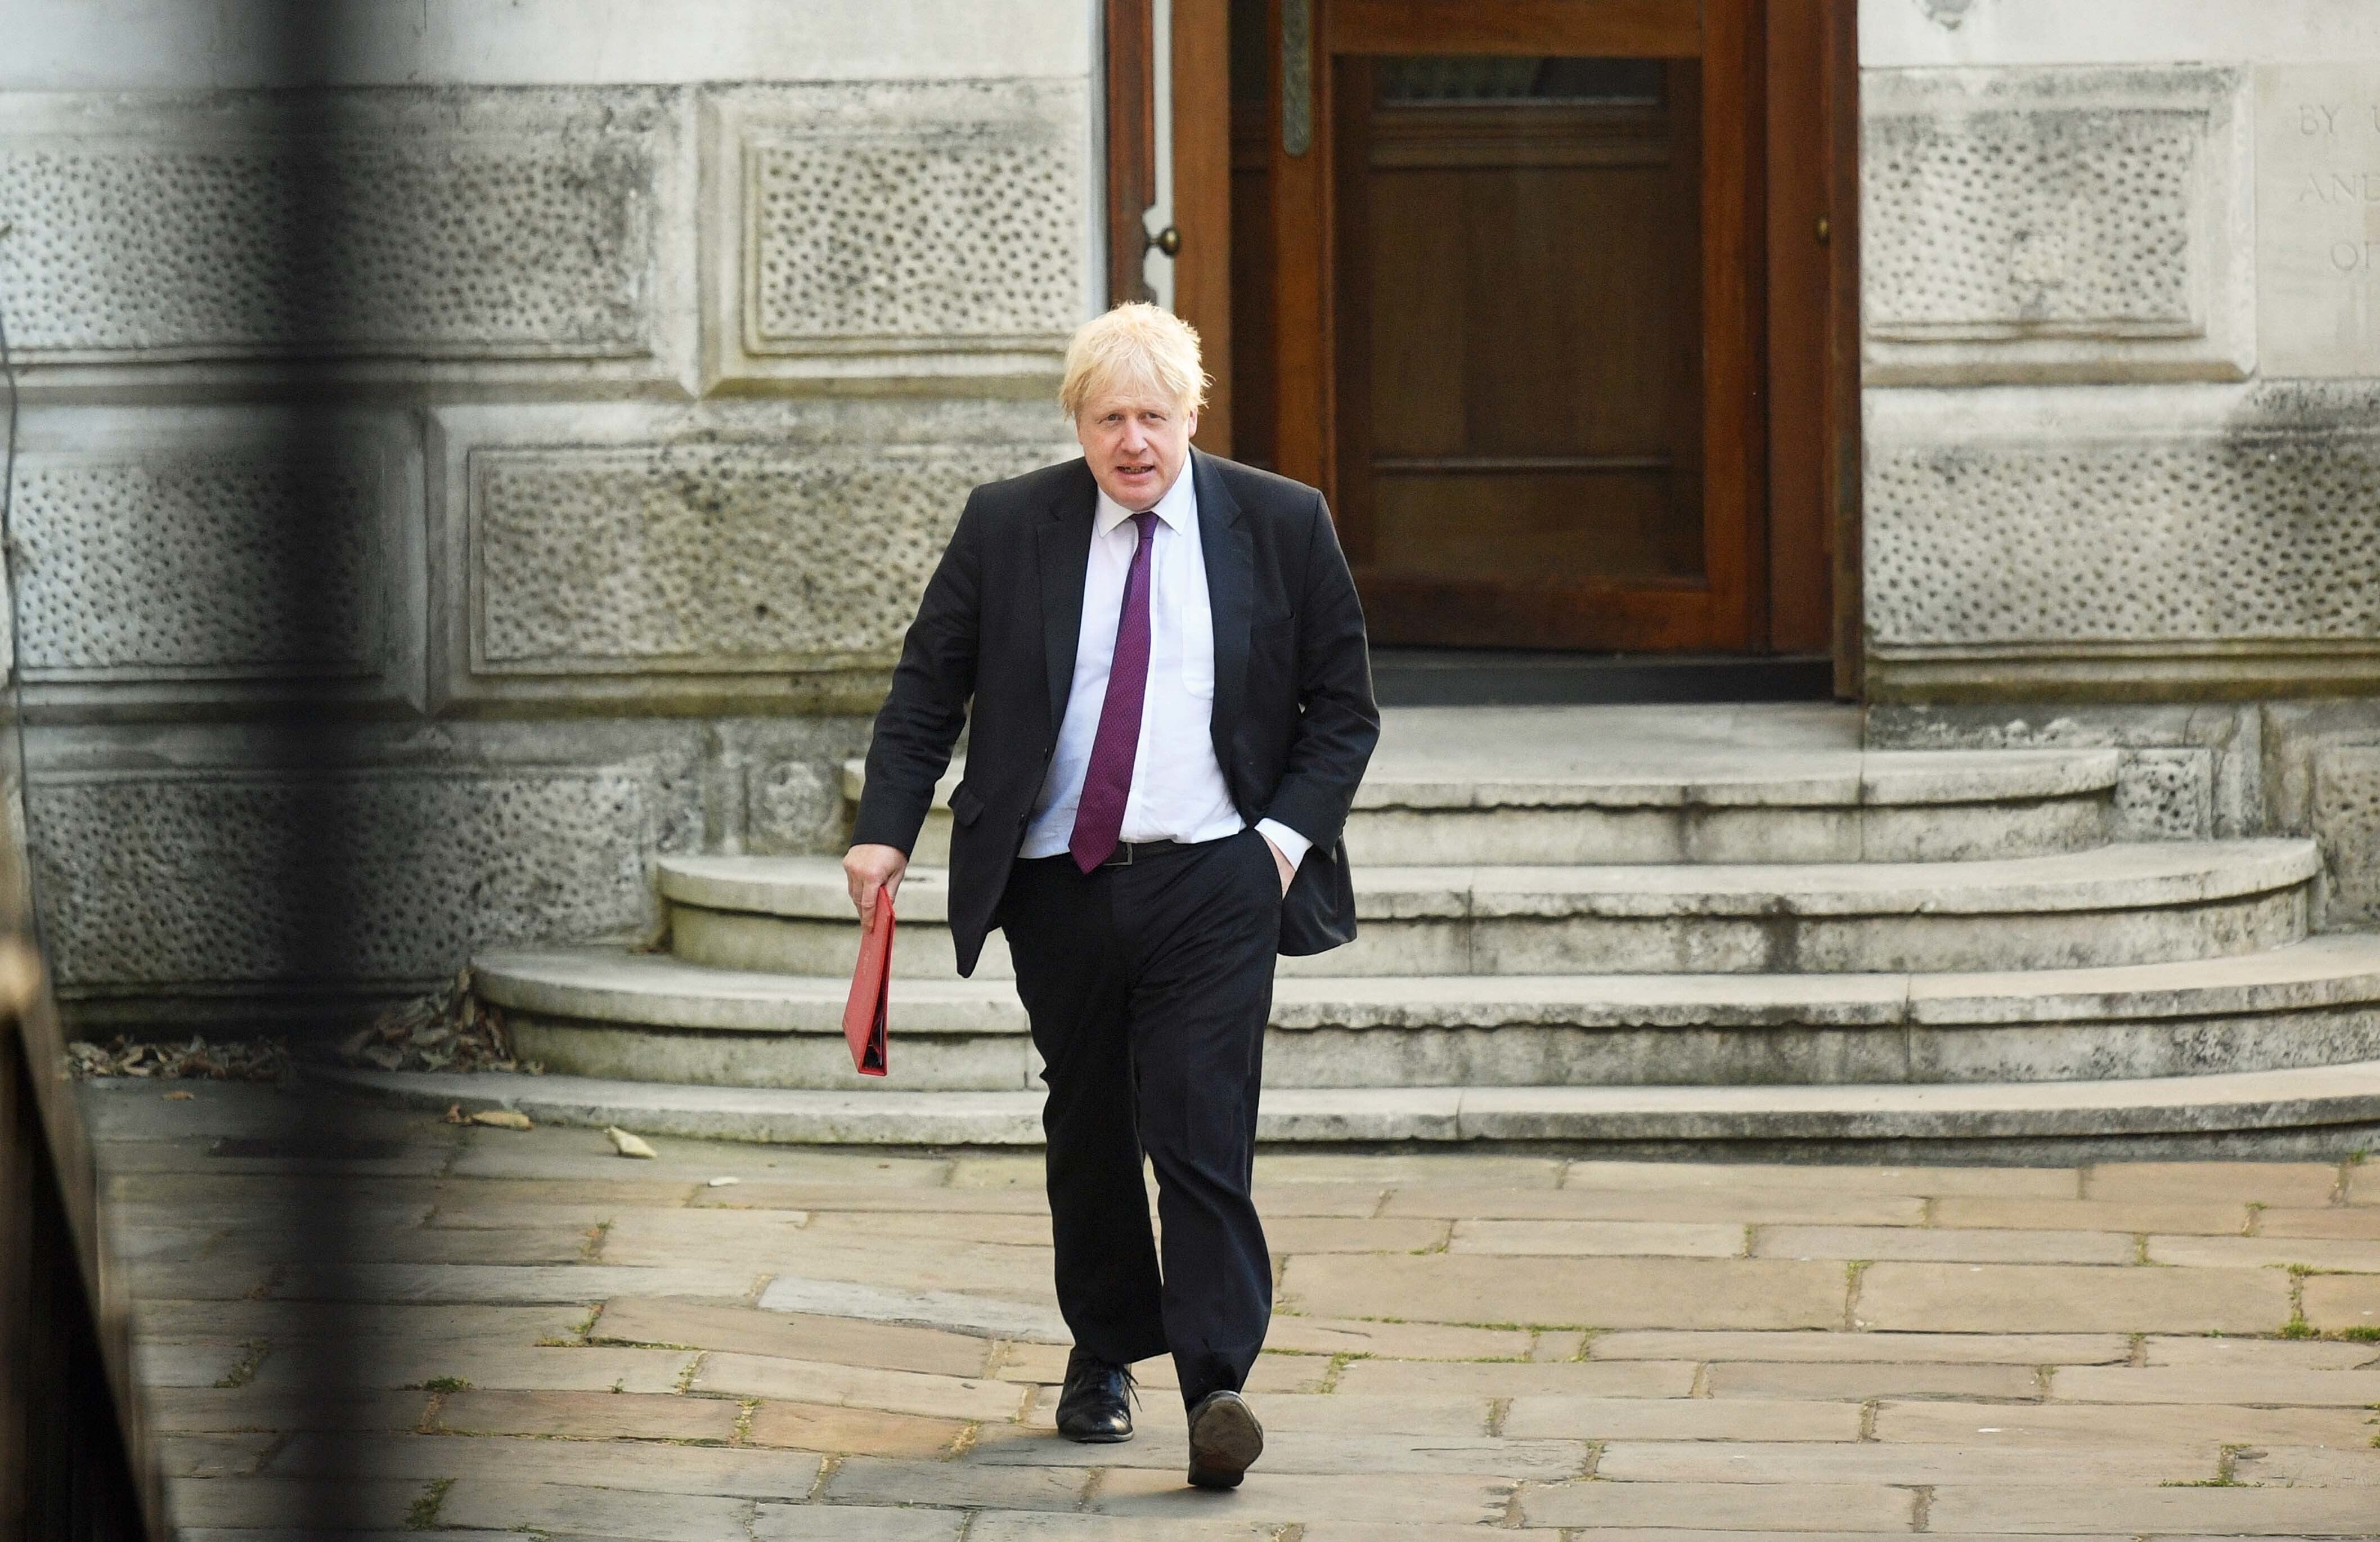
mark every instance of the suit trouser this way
{"type": "Point", "coordinates": [1148, 986]}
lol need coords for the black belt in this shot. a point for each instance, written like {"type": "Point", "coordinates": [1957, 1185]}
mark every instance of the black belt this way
{"type": "Point", "coordinates": [1129, 851]}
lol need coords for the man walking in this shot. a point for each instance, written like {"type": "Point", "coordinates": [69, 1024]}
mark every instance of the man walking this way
{"type": "Point", "coordinates": [1171, 707]}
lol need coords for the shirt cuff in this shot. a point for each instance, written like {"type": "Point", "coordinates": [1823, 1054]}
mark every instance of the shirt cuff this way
{"type": "Point", "coordinates": [1292, 845]}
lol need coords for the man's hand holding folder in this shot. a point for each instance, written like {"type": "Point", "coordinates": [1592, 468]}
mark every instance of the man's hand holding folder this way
{"type": "Point", "coordinates": [873, 874]}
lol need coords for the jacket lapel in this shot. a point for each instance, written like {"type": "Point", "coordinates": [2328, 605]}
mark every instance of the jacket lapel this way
{"type": "Point", "coordinates": [1231, 597]}
{"type": "Point", "coordinates": [1065, 551]}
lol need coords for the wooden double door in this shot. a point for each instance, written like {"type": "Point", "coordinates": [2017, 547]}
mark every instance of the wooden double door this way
{"type": "Point", "coordinates": [1510, 279]}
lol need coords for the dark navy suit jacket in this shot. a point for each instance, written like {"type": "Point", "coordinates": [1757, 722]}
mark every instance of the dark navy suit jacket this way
{"type": "Point", "coordinates": [1295, 722]}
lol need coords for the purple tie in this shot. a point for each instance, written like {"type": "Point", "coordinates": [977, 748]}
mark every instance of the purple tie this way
{"type": "Point", "coordinates": [1107, 781]}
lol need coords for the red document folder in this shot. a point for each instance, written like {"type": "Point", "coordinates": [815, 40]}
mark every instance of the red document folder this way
{"type": "Point", "coordinates": [863, 1014]}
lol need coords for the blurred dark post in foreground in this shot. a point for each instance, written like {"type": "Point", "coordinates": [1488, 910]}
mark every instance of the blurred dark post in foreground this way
{"type": "Point", "coordinates": [74, 1460]}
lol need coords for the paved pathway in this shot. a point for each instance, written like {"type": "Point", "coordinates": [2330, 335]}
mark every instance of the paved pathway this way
{"type": "Point", "coordinates": [547, 1338]}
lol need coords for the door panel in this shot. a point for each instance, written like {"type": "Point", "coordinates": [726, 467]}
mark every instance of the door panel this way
{"type": "Point", "coordinates": [1505, 300]}
{"type": "Point", "coordinates": [1521, 243]}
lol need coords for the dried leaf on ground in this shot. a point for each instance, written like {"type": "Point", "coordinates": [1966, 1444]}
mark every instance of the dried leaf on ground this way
{"type": "Point", "coordinates": [627, 1144]}
{"type": "Point", "coordinates": [450, 1029]}
{"type": "Point", "coordinates": [197, 1058]}
{"type": "Point", "coordinates": [502, 1119]}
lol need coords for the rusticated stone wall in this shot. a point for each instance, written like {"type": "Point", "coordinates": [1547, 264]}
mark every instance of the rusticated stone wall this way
{"type": "Point", "coordinates": [612, 424]}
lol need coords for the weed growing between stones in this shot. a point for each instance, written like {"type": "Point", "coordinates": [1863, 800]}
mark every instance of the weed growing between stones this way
{"type": "Point", "coordinates": [423, 1516]}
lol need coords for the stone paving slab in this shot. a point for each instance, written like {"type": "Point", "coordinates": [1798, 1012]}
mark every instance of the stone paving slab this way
{"type": "Point", "coordinates": [2041, 1508]}
{"type": "Point", "coordinates": [966, 1484]}
{"type": "Point", "coordinates": [2021, 1299]}
{"type": "Point", "coordinates": [1942, 1245]}
{"type": "Point", "coordinates": [1159, 1494]}
{"type": "Point", "coordinates": [2004, 1183]}
{"type": "Point", "coordinates": [1900, 1466]}
{"type": "Point", "coordinates": [1637, 1379]}
{"type": "Point", "coordinates": [1977, 1349]}
{"type": "Point", "coordinates": [2080, 1426]}
{"type": "Point", "coordinates": [603, 1416]}
{"type": "Point", "coordinates": [1597, 1238]}
{"type": "Point", "coordinates": [863, 1345]}
{"type": "Point", "coordinates": [2214, 1217]}
{"type": "Point", "coordinates": [2266, 1252]}
{"type": "Point", "coordinates": [230, 1456]}
{"type": "Point", "coordinates": [589, 1369]}
{"type": "Point", "coordinates": [2255, 1385]}
{"type": "Point", "coordinates": [2336, 1355]}
{"type": "Point", "coordinates": [792, 1335]}
{"type": "Point", "coordinates": [1741, 1207]}
{"type": "Point", "coordinates": [2337, 1302]}
{"type": "Point", "coordinates": [1603, 1293]}
{"type": "Point", "coordinates": [1741, 1507]}
{"type": "Point", "coordinates": [2296, 1183]}
{"type": "Point", "coordinates": [832, 1429]}
{"type": "Point", "coordinates": [2308, 1467]}
{"type": "Point", "coordinates": [2348, 1221]}
{"type": "Point", "coordinates": [1588, 1418]}
{"type": "Point", "coordinates": [634, 1465]}
{"type": "Point", "coordinates": [1860, 1381]}
{"type": "Point", "coordinates": [854, 1524]}
{"type": "Point", "coordinates": [755, 1376]}
{"type": "Point", "coordinates": [496, 1502]}
{"type": "Point", "coordinates": [263, 1501]}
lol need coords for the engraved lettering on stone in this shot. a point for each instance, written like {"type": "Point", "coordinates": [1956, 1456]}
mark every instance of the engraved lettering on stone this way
{"type": "Point", "coordinates": [2319, 219]}
{"type": "Point", "coordinates": [710, 556]}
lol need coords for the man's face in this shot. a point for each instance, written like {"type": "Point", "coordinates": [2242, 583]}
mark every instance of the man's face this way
{"type": "Point", "coordinates": [1135, 442]}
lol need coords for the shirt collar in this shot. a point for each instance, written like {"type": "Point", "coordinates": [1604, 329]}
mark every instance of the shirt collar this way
{"type": "Point", "coordinates": [1178, 508]}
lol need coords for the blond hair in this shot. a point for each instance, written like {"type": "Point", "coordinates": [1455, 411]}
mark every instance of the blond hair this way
{"type": "Point", "coordinates": [1134, 344]}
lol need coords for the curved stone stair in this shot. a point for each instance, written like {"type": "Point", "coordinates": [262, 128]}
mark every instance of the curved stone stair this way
{"type": "Point", "coordinates": [1743, 930]}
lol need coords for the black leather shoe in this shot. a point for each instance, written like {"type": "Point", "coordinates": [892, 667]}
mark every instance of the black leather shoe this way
{"type": "Point", "coordinates": [1096, 1405]}
{"type": "Point", "coordinates": [1225, 1440]}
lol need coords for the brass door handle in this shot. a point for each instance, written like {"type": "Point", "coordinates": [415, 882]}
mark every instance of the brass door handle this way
{"type": "Point", "coordinates": [1168, 240]}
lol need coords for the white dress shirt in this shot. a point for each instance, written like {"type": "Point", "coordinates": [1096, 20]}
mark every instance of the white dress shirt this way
{"type": "Point", "coordinates": [1178, 792]}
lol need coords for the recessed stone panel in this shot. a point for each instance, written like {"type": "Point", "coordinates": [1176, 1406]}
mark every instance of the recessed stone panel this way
{"type": "Point", "coordinates": [2347, 820]}
{"type": "Point", "coordinates": [2167, 538]}
{"type": "Point", "coordinates": [189, 555]}
{"type": "Point", "coordinates": [413, 225]}
{"type": "Point", "coordinates": [911, 227]}
{"type": "Point", "coordinates": [229, 877]}
{"type": "Point", "coordinates": [2165, 795]}
{"type": "Point", "coordinates": [2055, 225]}
{"type": "Point", "coordinates": [2318, 219]}
{"type": "Point", "coordinates": [712, 553]}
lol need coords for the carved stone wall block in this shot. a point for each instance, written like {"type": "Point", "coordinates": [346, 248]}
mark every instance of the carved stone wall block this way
{"type": "Point", "coordinates": [2124, 540]}
{"type": "Point", "coordinates": [2347, 820]}
{"type": "Point", "coordinates": [899, 229]}
{"type": "Point", "coordinates": [2042, 225]}
{"type": "Point", "coordinates": [692, 559]}
{"type": "Point", "coordinates": [2165, 795]}
{"type": "Point", "coordinates": [172, 560]}
{"type": "Point", "coordinates": [226, 879]}
{"type": "Point", "coordinates": [791, 807]}
{"type": "Point", "coordinates": [473, 233]}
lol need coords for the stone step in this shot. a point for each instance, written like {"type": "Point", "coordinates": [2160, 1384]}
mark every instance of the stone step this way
{"type": "Point", "coordinates": [648, 1017]}
{"type": "Point", "coordinates": [1805, 806]}
{"type": "Point", "coordinates": [2140, 903]}
{"type": "Point", "coordinates": [2320, 1111]}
